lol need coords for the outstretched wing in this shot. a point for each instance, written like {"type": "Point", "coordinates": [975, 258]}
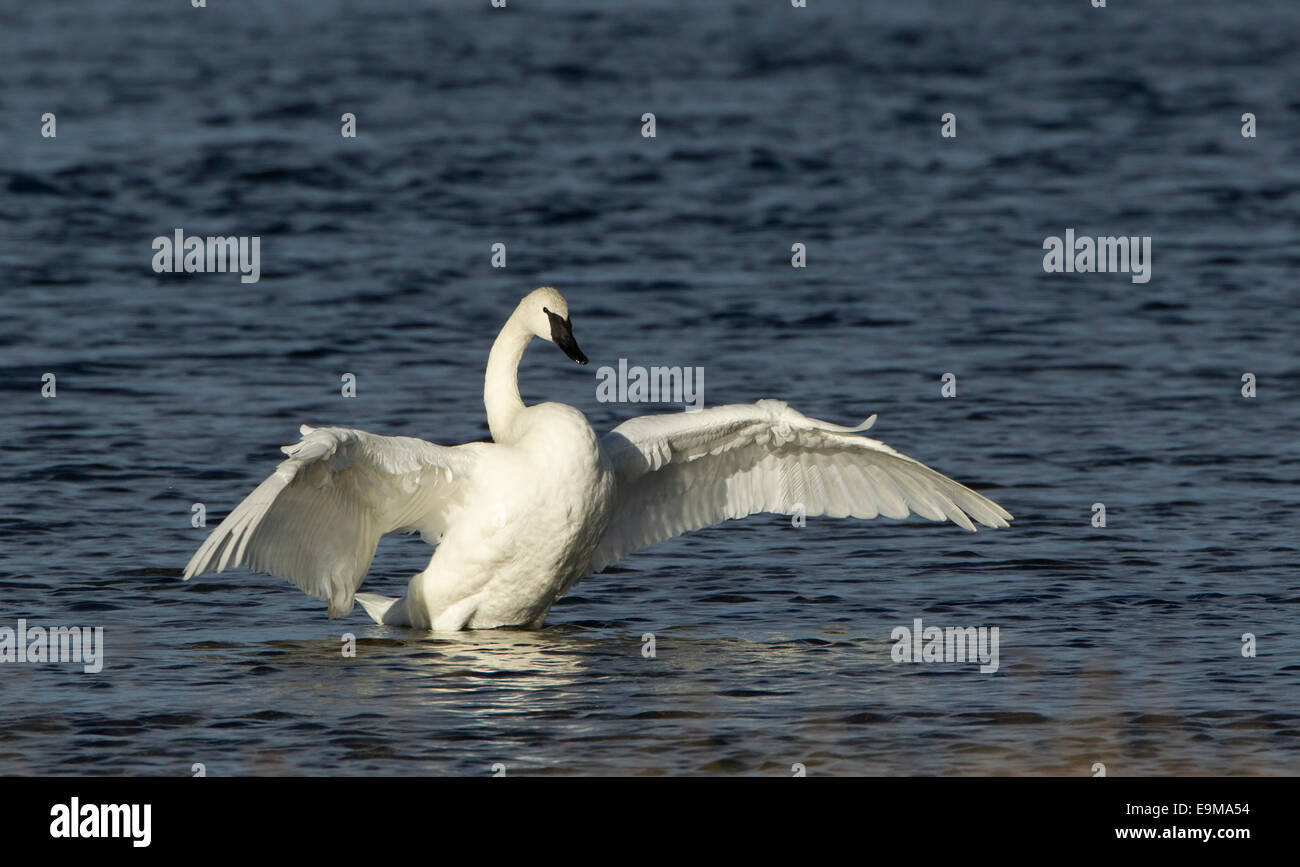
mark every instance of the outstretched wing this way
{"type": "Point", "coordinates": [683, 471]}
{"type": "Point", "coordinates": [317, 520]}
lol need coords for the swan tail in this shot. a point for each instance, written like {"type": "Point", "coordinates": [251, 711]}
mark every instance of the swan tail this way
{"type": "Point", "coordinates": [381, 608]}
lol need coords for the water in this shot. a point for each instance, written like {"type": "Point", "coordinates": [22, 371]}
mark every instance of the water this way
{"type": "Point", "coordinates": [1118, 645]}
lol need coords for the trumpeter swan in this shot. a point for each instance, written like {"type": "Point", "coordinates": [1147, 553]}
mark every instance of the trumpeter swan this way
{"type": "Point", "coordinates": [520, 520]}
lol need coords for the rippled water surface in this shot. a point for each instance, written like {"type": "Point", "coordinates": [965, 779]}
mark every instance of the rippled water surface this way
{"type": "Point", "coordinates": [776, 125]}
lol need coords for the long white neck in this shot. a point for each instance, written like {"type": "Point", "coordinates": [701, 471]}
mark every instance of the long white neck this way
{"type": "Point", "coordinates": [501, 385]}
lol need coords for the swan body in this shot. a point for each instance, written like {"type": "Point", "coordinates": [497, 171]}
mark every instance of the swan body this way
{"type": "Point", "coordinates": [520, 520]}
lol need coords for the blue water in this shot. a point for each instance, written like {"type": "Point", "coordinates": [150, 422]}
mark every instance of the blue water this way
{"type": "Point", "coordinates": [1119, 645]}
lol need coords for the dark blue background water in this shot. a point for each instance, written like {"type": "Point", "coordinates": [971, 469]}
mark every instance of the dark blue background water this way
{"type": "Point", "coordinates": [775, 125]}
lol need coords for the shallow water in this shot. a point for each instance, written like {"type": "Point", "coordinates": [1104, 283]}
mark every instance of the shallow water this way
{"type": "Point", "coordinates": [1119, 645]}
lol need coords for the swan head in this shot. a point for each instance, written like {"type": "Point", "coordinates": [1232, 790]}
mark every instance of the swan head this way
{"type": "Point", "coordinates": [546, 314]}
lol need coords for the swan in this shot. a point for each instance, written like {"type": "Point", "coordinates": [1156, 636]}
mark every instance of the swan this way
{"type": "Point", "coordinates": [520, 520]}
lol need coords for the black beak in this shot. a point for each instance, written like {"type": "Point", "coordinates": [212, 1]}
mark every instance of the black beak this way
{"type": "Point", "coordinates": [562, 336]}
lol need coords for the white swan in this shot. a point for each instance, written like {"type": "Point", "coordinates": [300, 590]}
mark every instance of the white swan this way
{"type": "Point", "coordinates": [520, 520]}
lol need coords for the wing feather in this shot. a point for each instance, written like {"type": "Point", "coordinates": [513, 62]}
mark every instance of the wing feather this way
{"type": "Point", "coordinates": [683, 471]}
{"type": "Point", "coordinates": [317, 520]}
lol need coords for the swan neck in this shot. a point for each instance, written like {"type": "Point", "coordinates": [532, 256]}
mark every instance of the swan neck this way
{"type": "Point", "coordinates": [501, 385]}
